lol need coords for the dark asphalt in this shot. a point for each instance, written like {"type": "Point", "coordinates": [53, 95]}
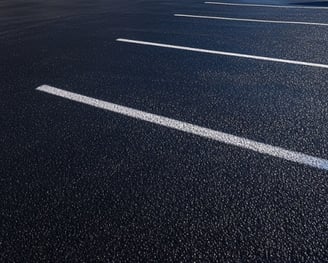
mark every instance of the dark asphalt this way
{"type": "Point", "coordinates": [80, 184]}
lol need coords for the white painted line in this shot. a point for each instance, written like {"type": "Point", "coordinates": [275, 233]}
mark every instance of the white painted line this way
{"type": "Point", "coordinates": [271, 6]}
{"type": "Point", "coordinates": [251, 20]}
{"type": "Point", "coordinates": [223, 53]}
{"type": "Point", "coordinates": [192, 129]}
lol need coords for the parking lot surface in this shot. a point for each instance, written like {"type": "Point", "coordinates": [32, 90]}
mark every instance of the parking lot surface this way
{"type": "Point", "coordinates": [163, 131]}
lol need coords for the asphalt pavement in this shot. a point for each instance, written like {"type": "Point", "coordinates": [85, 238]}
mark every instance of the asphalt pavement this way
{"type": "Point", "coordinates": [163, 131]}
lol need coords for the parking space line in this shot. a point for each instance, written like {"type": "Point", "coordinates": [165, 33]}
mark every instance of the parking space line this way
{"type": "Point", "coordinates": [223, 53]}
{"type": "Point", "coordinates": [250, 20]}
{"type": "Point", "coordinates": [270, 6]}
{"type": "Point", "coordinates": [225, 138]}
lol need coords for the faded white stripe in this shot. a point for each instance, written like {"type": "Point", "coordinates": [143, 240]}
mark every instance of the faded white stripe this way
{"type": "Point", "coordinates": [271, 6]}
{"type": "Point", "coordinates": [192, 129]}
{"type": "Point", "coordinates": [252, 20]}
{"type": "Point", "coordinates": [223, 53]}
